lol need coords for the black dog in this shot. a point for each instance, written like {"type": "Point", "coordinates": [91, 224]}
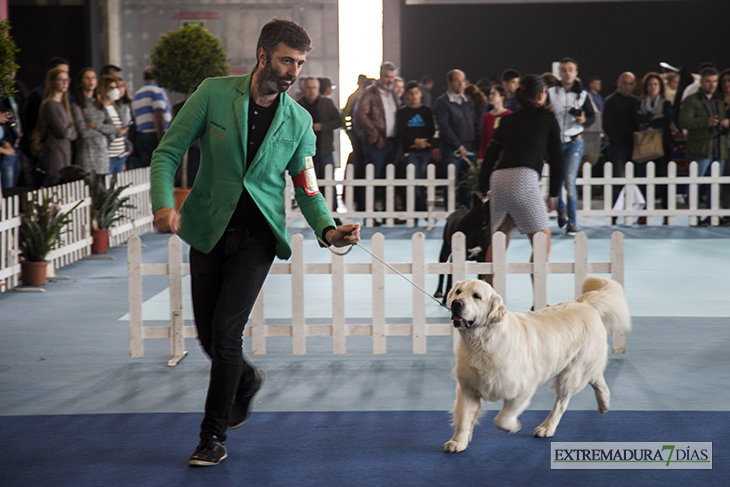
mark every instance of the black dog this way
{"type": "Point", "coordinates": [475, 224]}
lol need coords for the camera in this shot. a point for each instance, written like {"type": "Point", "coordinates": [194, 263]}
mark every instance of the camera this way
{"type": "Point", "coordinates": [576, 112]}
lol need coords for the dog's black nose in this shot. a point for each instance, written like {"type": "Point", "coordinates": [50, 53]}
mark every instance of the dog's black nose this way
{"type": "Point", "coordinates": [456, 306]}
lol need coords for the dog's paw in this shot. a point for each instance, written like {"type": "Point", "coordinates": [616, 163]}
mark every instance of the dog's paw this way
{"type": "Point", "coordinates": [543, 431]}
{"type": "Point", "coordinates": [453, 446]}
{"type": "Point", "coordinates": [603, 408]}
{"type": "Point", "coordinates": [438, 294]}
{"type": "Point", "coordinates": [508, 426]}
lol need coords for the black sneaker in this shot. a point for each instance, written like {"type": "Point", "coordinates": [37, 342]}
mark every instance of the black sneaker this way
{"type": "Point", "coordinates": [241, 410]}
{"type": "Point", "coordinates": [210, 451]}
{"type": "Point", "coordinates": [562, 219]}
{"type": "Point", "coordinates": [570, 230]}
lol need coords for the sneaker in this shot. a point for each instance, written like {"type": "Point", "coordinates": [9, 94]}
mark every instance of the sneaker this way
{"type": "Point", "coordinates": [210, 451]}
{"type": "Point", "coordinates": [570, 230]}
{"type": "Point", "coordinates": [704, 222]}
{"type": "Point", "coordinates": [562, 219]}
{"type": "Point", "coordinates": [241, 411]}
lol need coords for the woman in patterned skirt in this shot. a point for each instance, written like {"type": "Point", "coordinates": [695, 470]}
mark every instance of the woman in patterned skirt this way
{"type": "Point", "coordinates": [525, 139]}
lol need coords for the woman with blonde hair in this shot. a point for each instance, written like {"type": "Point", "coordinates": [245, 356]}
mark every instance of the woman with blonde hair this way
{"type": "Point", "coordinates": [109, 93]}
{"type": "Point", "coordinates": [56, 127]}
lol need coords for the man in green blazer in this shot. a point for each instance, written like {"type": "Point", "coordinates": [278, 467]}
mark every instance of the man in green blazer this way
{"type": "Point", "coordinates": [251, 132]}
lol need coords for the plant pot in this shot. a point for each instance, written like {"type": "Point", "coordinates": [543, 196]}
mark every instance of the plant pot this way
{"type": "Point", "coordinates": [33, 273]}
{"type": "Point", "coordinates": [180, 195]}
{"type": "Point", "coordinates": [100, 241]}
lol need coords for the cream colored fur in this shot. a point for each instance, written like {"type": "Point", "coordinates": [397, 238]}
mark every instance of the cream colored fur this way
{"type": "Point", "coordinates": [506, 356]}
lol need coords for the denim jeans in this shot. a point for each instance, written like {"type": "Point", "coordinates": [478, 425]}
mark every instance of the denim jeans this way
{"type": "Point", "coordinates": [116, 164]}
{"type": "Point", "coordinates": [10, 170]}
{"type": "Point", "coordinates": [704, 168]}
{"type": "Point", "coordinates": [572, 155]}
{"type": "Point", "coordinates": [224, 285]}
{"type": "Point", "coordinates": [463, 192]}
{"type": "Point", "coordinates": [380, 158]}
{"type": "Point", "coordinates": [420, 160]}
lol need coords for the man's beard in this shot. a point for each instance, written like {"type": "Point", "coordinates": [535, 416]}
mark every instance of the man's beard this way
{"type": "Point", "coordinates": [271, 83]}
{"type": "Point", "coordinates": [386, 86]}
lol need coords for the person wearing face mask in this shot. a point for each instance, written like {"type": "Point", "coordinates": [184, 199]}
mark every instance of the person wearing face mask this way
{"type": "Point", "coordinates": [93, 124]}
{"type": "Point", "coordinates": [109, 93]}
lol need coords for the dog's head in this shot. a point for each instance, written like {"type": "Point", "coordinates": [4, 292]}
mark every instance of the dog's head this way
{"type": "Point", "coordinates": [474, 303]}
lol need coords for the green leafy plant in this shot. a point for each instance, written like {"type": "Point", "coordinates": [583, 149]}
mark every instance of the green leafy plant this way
{"type": "Point", "coordinates": [8, 50]}
{"type": "Point", "coordinates": [183, 58]}
{"type": "Point", "coordinates": [42, 224]}
{"type": "Point", "coordinates": [107, 203]}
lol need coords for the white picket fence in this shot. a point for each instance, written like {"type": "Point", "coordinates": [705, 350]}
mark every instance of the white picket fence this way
{"type": "Point", "coordinates": [75, 243]}
{"type": "Point", "coordinates": [389, 213]}
{"type": "Point", "coordinates": [176, 331]}
{"type": "Point", "coordinates": [585, 185]}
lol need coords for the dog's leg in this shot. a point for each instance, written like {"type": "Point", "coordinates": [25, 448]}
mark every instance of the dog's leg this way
{"type": "Point", "coordinates": [466, 412]}
{"type": "Point", "coordinates": [562, 398]}
{"type": "Point", "coordinates": [603, 394]}
{"type": "Point", "coordinates": [511, 409]}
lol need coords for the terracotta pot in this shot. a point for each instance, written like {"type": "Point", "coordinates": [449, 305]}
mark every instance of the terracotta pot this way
{"type": "Point", "coordinates": [100, 242]}
{"type": "Point", "coordinates": [33, 273]}
{"type": "Point", "coordinates": [180, 195]}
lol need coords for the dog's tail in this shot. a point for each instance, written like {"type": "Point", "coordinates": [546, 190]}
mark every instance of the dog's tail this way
{"type": "Point", "coordinates": [608, 298]}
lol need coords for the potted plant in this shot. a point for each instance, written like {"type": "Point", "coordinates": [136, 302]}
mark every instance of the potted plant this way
{"type": "Point", "coordinates": [42, 224]}
{"type": "Point", "coordinates": [106, 204]}
{"type": "Point", "coordinates": [8, 50]}
{"type": "Point", "coordinates": [182, 59]}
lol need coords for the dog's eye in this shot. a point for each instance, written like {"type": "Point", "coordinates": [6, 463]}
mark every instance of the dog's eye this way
{"type": "Point", "coordinates": [476, 296]}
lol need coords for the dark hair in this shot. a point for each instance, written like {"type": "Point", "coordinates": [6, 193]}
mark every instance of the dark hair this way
{"type": "Point", "coordinates": [277, 31]}
{"type": "Point", "coordinates": [148, 74]}
{"type": "Point", "coordinates": [510, 74]}
{"type": "Point", "coordinates": [568, 60]}
{"type": "Point", "coordinates": [723, 73]}
{"type": "Point", "coordinates": [706, 64]}
{"type": "Point", "coordinates": [324, 84]}
{"type": "Point", "coordinates": [594, 78]}
{"type": "Point", "coordinates": [475, 94]}
{"type": "Point", "coordinates": [54, 62]}
{"type": "Point", "coordinates": [412, 84]}
{"type": "Point", "coordinates": [549, 78]}
{"type": "Point", "coordinates": [426, 79]}
{"type": "Point", "coordinates": [103, 87]}
{"type": "Point", "coordinates": [450, 74]}
{"type": "Point", "coordinates": [79, 97]}
{"type": "Point", "coordinates": [108, 68]}
{"type": "Point", "coordinates": [499, 89]}
{"type": "Point", "coordinates": [530, 88]}
{"type": "Point", "coordinates": [708, 72]}
{"type": "Point", "coordinates": [646, 79]}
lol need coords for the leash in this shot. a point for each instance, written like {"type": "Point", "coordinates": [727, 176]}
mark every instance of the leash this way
{"type": "Point", "coordinates": [392, 269]}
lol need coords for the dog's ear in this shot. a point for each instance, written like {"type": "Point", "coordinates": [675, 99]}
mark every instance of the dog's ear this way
{"type": "Point", "coordinates": [497, 310]}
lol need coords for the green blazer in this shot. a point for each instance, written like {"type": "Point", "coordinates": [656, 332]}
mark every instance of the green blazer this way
{"type": "Point", "coordinates": [217, 114]}
{"type": "Point", "coordinates": [693, 117]}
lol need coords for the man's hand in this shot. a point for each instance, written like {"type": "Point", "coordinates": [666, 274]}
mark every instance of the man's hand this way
{"type": "Point", "coordinates": [713, 121]}
{"type": "Point", "coordinates": [464, 153]}
{"type": "Point", "coordinates": [421, 144]}
{"type": "Point", "coordinates": [725, 123]}
{"type": "Point", "coordinates": [581, 119]}
{"type": "Point", "coordinates": [167, 220]}
{"type": "Point", "coordinates": [344, 235]}
{"type": "Point", "coordinates": [317, 127]}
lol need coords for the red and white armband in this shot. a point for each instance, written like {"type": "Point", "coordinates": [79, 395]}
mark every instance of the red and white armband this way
{"type": "Point", "coordinates": [307, 178]}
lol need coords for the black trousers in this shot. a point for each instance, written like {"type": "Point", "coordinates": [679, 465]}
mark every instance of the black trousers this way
{"type": "Point", "coordinates": [225, 284]}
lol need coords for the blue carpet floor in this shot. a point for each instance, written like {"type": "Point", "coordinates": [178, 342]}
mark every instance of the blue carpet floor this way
{"type": "Point", "coordinates": [401, 448]}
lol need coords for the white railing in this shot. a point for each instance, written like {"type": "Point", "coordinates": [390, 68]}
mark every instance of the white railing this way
{"type": "Point", "coordinates": [75, 243]}
{"type": "Point", "coordinates": [9, 230]}
{"type": "Point", "coordinates": [337, 268]}
{"type": "Point", "coordinates": [654, 215]}
{"type": "Point", "coordinates": [389, 213]}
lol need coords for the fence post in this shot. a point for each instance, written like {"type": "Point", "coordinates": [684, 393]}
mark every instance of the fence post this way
{"type": "Point", "coordinates": [177, 341]}
{"type": "Point", "coordinates": [629, 194]}
{"type": "Point", "coordinates": [378, 282]}
{"type": "Point", "coordinates": [339, 339]}
{"type": "Point", "coordinates": [349, 191]}
{"type": "Point", "coordinates": [369, 193]}
{"type": "Point", "coordinates": [389, 193]}
{"type": "Point", "coordinates": [458, 268]}
{"type": "Point", "coordinates": [431, 195]}
{"type": "Point", "coordinates": [580, 266]}
{"type": "Point", "coordinates": [539, 271]}
{"type": "Point", "coordinates": [418, 273]}
{"type": "Point", "coordinates": [618, 341]}
{"type": "Point", "coordinates": [134, 286]}
{"type": "Point", "coordinates": [587, 192]}
{"type": "Point", "coordinates": [607, 192]}
{"type": "Point", "coordinates": [714, 197]}
{"type": "Point", "coordinates": [410, 202]}
{"type": "Point", "coordinates": [693, 192]}
{"type": "Point", "coordinates": [672, 192]}
{"type": "Point", "coordinates": [650, 192]}
{"type": "Point", "coordinates": [499, 264]}
{"type": "Point", "coordinates": [299, 346]}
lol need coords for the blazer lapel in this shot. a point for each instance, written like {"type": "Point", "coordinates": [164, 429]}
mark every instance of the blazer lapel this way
{"type": "Point", "coordinates": [240, 110]}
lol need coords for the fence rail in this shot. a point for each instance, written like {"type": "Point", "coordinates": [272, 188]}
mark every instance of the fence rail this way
{"type": "Point", "coordinates": [337, 268]}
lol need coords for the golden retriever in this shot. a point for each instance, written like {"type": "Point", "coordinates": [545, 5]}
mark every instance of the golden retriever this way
{"type": "Point", "coordinates": [506, 356]}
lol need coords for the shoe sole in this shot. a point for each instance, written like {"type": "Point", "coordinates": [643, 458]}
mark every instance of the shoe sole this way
{"type": "Point", "coordinates": [203, 463]}
{"type": "Point", "coordinates": [263, 381]}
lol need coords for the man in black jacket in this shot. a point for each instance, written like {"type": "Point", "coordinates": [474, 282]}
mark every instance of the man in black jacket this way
{"type": "Point", "coordinates": [619, 113]}
{"type": "Point", "coordinates": [325, 118]}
